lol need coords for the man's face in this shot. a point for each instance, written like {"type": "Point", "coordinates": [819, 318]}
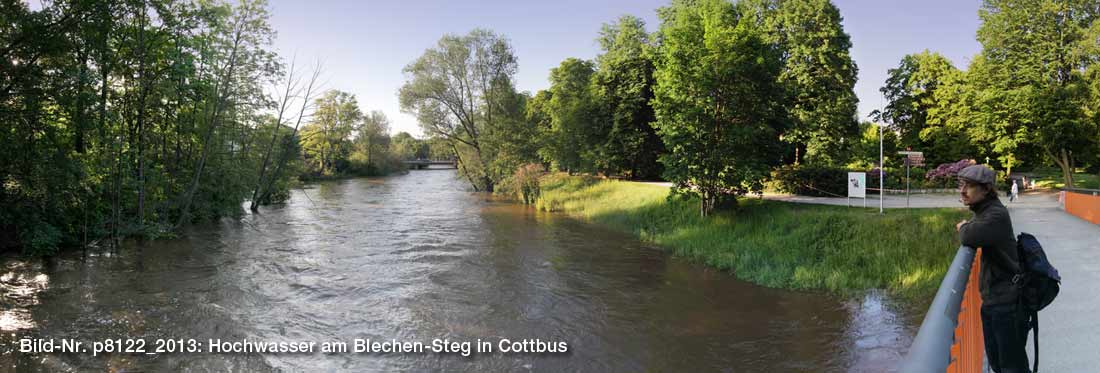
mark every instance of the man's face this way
{"type": "Point", "coordinates": [970, 193]}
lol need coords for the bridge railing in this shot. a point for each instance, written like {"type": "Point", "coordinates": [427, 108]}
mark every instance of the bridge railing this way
{"type": "Point", "coordinates": [950, 337]}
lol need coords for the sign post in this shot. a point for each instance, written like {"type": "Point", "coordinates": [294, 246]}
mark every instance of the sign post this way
{"type": "Point", "coordinates": [912, 158]}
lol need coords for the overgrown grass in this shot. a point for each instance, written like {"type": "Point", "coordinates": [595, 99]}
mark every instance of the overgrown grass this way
{"type": "Point", "coordinates": [775, 244]}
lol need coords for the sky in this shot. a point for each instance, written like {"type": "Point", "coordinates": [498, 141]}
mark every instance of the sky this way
{"type": "Point", "coordinates": [364, 44]}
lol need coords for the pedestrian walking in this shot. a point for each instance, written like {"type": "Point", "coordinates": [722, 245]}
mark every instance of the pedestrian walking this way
{"type": "Point", "coordinates": [1013, 192]}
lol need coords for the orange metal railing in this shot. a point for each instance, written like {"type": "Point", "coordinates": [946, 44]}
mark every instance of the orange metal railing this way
{"type": "Point", "coordinates": [950, 337]}
{"type": "Point", "coordinates": [968, 349]}
{"type": "Point", "coordinates": [1084, 203]}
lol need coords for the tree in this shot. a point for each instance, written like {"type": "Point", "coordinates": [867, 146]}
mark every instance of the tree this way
{"type": "Point", "coordinates": [717, 100]}
{"type": "Point", "coordinates": [407, 147]}
{"type": "Point", "coordinates": [927, 106]}
{"type": "Point", "coordinates": [1031, 92]}
{"type": "Point", "coordinates": [128, 118]}
{"type": "Point", "coordinates": [575, 135]}
{"type": "Point", "coordinates": [371, 141]}
{"type": "Point", "coordinates": [291, 91]}
{"type": "Point", "coordinates": [327, 137]}
{"type": "Point", "coordinates": [455, 89]}
{"type": "Point", "coordinates": [818, 73]}
{"type": "Point", "coordinates": [623, 87]}
{"type": "Point", "coordinates": [516, 141]}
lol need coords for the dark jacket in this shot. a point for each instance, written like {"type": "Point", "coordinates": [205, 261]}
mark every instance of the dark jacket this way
{"type": "Point", "coordinates": [991, 230]}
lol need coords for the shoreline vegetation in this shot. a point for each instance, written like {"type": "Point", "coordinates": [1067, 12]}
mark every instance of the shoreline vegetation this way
{"type": "Point", "coordinates": [770, 243]}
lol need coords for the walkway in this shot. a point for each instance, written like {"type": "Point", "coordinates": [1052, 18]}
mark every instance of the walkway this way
{"type": "Point", "coordinates": [1069, 329]}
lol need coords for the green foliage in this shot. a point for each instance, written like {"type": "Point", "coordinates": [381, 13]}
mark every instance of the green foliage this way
{"type": "Point", "coordinates": [1032, 97]}
{"type": "Point", "coordinates": [623, 87]}
{"type": "Point", "coordinates": [926, 107]}
{"type": "Point", "coordinates": [865, 154]}
{"type": "Point", "coordinates": [462, 93]}
{"type": "Point", "coordinates": [525, 183]}
{"type": "Point", "coordinates": [326, 140]}
{"type": "Point", "coordinates": [128, 117]}
{"type": "Point", "coordinates": [821, 247]}
{"type": "Point", "coordinates": [717, 100]}
{"type": "Point", "coordinates": [515, 141]}
{"type": "Point", "coordinates": [810, 180]}
{"type": "Point", "coordinates": [575, 134]}
{"type": "Point", "coordinates": [819, 75]}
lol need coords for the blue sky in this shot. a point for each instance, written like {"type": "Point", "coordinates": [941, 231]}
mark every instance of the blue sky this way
{"type": "Point", "coordinates": [365, 44]}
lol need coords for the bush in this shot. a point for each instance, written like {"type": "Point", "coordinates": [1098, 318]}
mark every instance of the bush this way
{"type": "Point", "coordinates": [806, 180]}
{"type": "Point", "coordinates": [525, 182]}
{"type": "Point", "coordinates": [944, 175]}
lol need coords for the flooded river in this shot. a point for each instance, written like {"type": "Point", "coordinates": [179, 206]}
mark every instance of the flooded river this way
{"type": "Point", "coordinates": [414, 258]}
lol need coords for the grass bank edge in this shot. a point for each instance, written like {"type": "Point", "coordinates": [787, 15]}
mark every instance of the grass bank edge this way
{"type": "Point", "coordinates": [775, 244]}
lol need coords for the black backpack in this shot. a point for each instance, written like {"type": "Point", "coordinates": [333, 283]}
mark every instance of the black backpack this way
{"type": "Point", "coordinates": [1039, 283]}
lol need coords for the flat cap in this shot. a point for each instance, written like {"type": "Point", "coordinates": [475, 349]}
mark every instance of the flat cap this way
{"type": "Point", "coordinates": [980, 174]}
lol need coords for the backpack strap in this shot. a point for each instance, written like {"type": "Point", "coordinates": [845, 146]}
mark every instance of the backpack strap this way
{"type": "Point", "coordinates": [1035, 338]}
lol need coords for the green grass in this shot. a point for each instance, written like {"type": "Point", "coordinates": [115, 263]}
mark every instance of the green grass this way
{"type": "Point", "coordinates": [775, 244]}
{"type": "Point", "coordinates": [1052, 178]}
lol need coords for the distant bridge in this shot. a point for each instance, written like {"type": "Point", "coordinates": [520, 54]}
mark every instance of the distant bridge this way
{"type": "Point", "coordinates": [420, 164]}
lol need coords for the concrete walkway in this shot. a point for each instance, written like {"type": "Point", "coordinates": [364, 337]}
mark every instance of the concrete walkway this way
{"type": "Point", "coordinates": [890, 201]}
{"type": "Point", "coordinates": [1069, 329]}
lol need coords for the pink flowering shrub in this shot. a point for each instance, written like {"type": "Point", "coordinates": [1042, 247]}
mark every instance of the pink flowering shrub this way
{"type": "Point", "coordinates": [945, 174]}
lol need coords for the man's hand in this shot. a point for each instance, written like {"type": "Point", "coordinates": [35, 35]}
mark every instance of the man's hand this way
{"type": "Point", "coordinates": [959, 226]}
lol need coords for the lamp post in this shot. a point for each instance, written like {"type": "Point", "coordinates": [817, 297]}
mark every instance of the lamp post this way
{"type": "Point", "coordinates": [881, 192]}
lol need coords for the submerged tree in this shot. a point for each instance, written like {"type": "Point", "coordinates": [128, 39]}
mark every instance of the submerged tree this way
{"type": "Point", "coordinates": [457, 91]}
{"type": "Point", "coordinates": [327, 138]}
{"type": "Point", "coordinates": [128, 117]}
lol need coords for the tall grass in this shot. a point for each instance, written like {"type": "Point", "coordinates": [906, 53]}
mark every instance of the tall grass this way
{"type": "Point", "coordinates": [775, 244]}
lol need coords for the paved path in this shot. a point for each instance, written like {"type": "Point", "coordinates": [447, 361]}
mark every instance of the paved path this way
{"type": "Point", "coordinates": [1069, 329]}
{"type": "Point", "coordinates": [916, 200]}
{"type": "Point", "coordinates": [919, 200]}
{"type": "Point", "coordinates": [891, 201]}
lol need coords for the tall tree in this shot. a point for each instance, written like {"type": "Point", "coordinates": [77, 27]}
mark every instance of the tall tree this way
{"type": "Point", "coordinates": [455, 89]}
{"type": "Point", "coordinates": [717, 100]}
{"type": "Point", "coordinates": [1031, 92]}
{"type": "Point", "coordinates": [575, 134]}
{"type": "Point", "coordinates": [818, 73]}
{"type": "Point", "coordinates": [623, 87]}
{"type": "Point", "coordinates": [127, 117]}
{"type": "Point", "coordinates": [371, 141]}
{"type": "Point", "coordinates": [327, 138]}
{"type": "Point", "coordinates": [926, 106]}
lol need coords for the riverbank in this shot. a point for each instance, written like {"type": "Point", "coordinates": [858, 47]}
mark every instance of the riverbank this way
{"type": "Point", "coordinates": [775, 244]}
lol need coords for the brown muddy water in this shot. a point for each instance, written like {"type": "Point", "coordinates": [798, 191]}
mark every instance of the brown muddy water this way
{"type": "Point", "coordinates": [414, 258]}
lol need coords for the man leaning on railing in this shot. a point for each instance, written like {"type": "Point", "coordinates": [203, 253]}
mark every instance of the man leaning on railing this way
{"type": "Point", "coordinates": [1004, 322]}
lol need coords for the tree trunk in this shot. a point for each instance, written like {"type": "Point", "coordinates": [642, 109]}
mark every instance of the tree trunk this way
{"type": "Point", "coordinates": [144, 92]}
{"type": "Point", "coordinates": [462, 167]}
{"type": "Point", "coordinates": [78, 114]}
{"type": "Point", "coordinates": [289, 140]}
{"type": "Point", "coordinates": [256, 193]}
{"type": "Point", "coordinates": [219, 103]}
{"type": "Point", "coordinates": [1065, 162]}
